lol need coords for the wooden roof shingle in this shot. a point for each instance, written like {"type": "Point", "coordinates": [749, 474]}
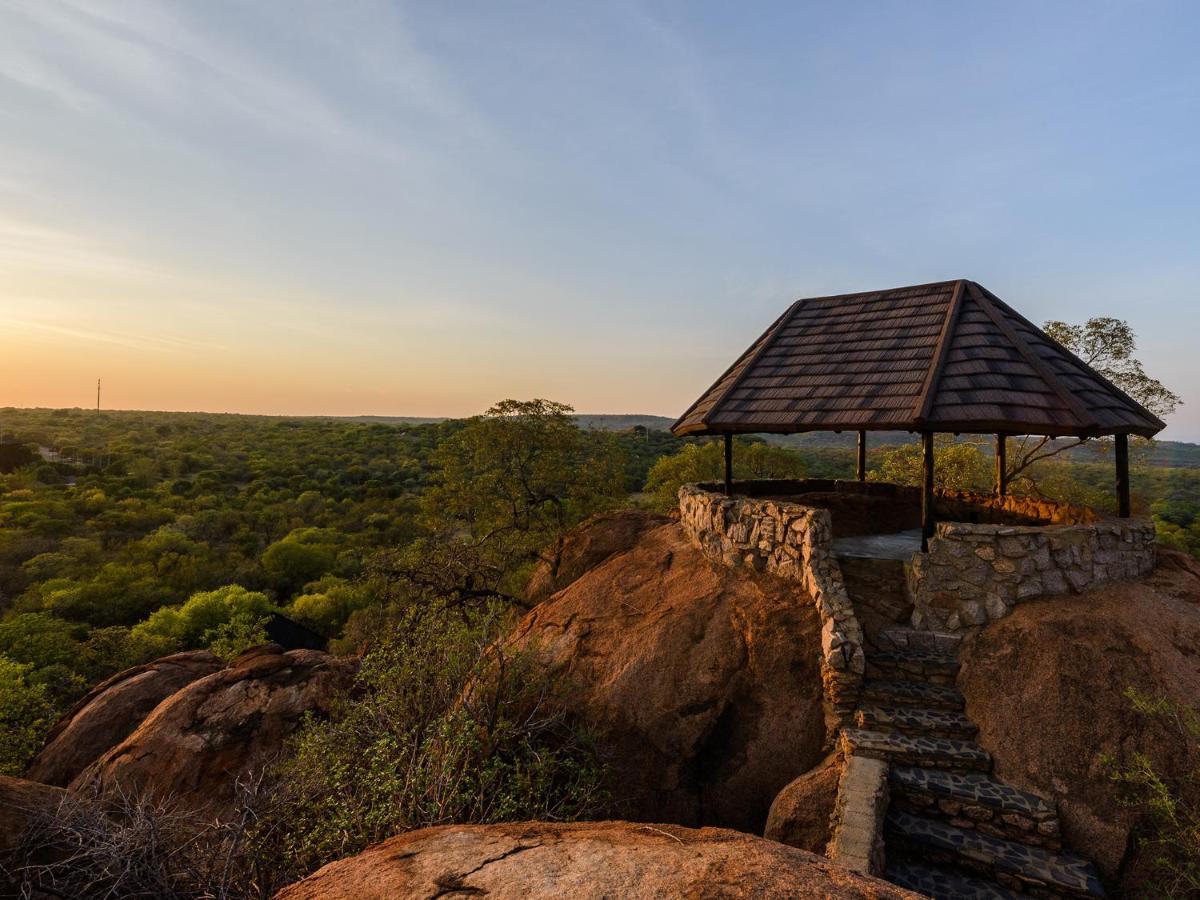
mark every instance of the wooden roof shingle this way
{"type": "Point", "coordinates": [949, 356]}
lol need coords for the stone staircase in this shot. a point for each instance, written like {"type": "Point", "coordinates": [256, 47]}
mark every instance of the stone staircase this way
{"type": "Point", "coordinates": [951, 830]}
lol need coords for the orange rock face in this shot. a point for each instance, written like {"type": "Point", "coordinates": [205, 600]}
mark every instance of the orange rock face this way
{"type": "Point", "coordinates": [195, 744]}
{"type": "Point", "coordinates": [1046, 686]}
{"type": "Point", "coordinates": [704, 681]}
{"type": "Point", "coordinates": [800, 814]}
{"type": "Point", "coordinates": [20, 802]}
{"type": "Point", "coordinates": [540, 861]}
{"type": "Point", "coordinates": [589, 545]}
{"type": "Point", "coordinates": [111, 711]}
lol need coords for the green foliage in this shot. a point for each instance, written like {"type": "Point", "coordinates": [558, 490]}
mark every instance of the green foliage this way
{"type": "Point", "coordinates": [325, 605]}
{"type": "Point", "coordinates": [226, 612]}
{"type": "Point", "coordinates": [1173, 840]}
{"type": "Point", "coordinates": [957, 465]}
{"type": "Point", "coordinates": [442, 726]}
{"type": "Point", "coordinates": [706, 462]}
{"type": "Point", "coordinates": [505, 490]}
{"type": "Point", "coordinates": [303, 556]}
{"type": "Point", "coordinates": [242, 631]}
{"type": "Point", "coordinates": [26, 713]}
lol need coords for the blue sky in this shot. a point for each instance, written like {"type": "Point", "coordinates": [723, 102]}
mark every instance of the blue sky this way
{"type": "Point", "coordinates": [371, 207]}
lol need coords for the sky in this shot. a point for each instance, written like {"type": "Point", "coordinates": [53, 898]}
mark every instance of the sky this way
{"type": "Point", "coordinates": [359, 207]}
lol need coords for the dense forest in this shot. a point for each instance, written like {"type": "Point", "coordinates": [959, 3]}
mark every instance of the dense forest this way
{"type": "Point", "coordinates": [125, 536]}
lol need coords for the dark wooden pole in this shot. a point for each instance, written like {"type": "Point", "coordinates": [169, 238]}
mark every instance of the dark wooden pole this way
{"type": "Point", "coordinates": [728, 464]}
{"type": "Point", "coordinates": [1123, 505]}
{"type": "Point", "coordinates": [862, 456]}
{"type": "Point", "coordinates": [927, 522]}
{"type": "Point", "coordinates": [1001, 465]}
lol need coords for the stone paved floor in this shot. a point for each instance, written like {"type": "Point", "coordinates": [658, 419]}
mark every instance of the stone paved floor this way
{"type": "Point", "coordinates": [915, 693]}
{"type": "Point", "coordinates": [910, 720]}
{"type": "Point", "coordinates": [918, 750]}
{"type": "Point", "coordinates": [901, 545]}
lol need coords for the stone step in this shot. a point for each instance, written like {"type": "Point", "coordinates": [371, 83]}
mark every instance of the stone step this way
{"type": "Point", "coordinates": [1010, 862]}
{"type": "Point", "coordinates": [917, 750]}
{"type": "Point", "coordinates": [934, 667]}
{"type": "Point", "coordinates": [912, 693]}
{"type": "Point", "coordinates": [904, 639]}
{"type": "Point", "coordinates": [914, 720]}
{"type": "Point", "coordinates": [945, 884]}
{"type": "Point", "coordinates": [974, 800]}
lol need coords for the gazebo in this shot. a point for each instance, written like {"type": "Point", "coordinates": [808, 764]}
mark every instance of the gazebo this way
{"type": "Point", "coordinates": [948, 357]}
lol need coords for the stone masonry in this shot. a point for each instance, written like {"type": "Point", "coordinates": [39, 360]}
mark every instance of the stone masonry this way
{"type": "Point", "coordinates": [976, 573]}
{"type": "Point", "coordinates": [791, 541]}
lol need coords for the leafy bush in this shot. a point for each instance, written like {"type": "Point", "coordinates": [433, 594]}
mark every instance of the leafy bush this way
{"type": "Point", "coordinates": [26, 714]}
{"type": "Point", "coordinates": [201, 619]}
{"type": "Point", "coordinates": [442, 726]}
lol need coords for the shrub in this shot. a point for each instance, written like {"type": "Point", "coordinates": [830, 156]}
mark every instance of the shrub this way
{"type": "Point", "coordinates": [1173, 836]}
{"type": "Point", "coordinates": [26, 714]}
{"type": "Point", "coordinates": [443, 726]}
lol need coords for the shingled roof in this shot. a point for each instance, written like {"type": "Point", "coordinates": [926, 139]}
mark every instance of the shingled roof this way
{"type": "Point", "coordinates": [948, 357]}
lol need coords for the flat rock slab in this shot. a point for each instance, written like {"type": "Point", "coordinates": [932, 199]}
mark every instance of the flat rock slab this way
{"type": "Point", "coordinates": [941, 753]}
{"type": "Point", "coordinates": [1064, 872]}
{"type": "Point", "coordinates": [912, 693]}
{"type": "Point", "coordinates": [901, 545]}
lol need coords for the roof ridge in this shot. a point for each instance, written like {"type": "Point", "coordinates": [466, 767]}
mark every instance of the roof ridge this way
{"type": "Point", "coordinates": [937, 363]}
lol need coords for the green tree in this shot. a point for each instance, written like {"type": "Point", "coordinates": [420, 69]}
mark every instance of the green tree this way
{"type": "Point", "coordinates": [303, 556]}
{"type": "Point", "coordinates": [1108, 346]}
{"type": "Point", "coordinates": [506, 489]}
{"type": "Point", "coordinates": [202, 617]}
{"type": "Point", "coordinates": [957, 465]}
{"type": "Point", "coordinates": [706, 462]}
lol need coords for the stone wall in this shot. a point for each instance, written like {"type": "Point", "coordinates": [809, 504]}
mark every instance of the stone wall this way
{"type": "Point", "coordinates": [791, 541]}
{"type": "Point", "coordinates": [976, 573]}
{"type": "Point", "coordinates": [989, 553]}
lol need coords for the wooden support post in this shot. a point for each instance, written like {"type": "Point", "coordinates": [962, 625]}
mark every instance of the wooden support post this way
{"type": "Point", "coordinates": [1123, 505]}
{"type": "Point", "coordinates": [728, 464]}
{"type": "Point", "coordinates": [862, 456]}
{"type": "Point", "coordinates": [927, 516]}
{"type": "Point", "coordinates": [1001, 465]}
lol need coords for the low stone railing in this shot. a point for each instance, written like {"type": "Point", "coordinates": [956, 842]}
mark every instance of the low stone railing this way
{"type": "Point", "coordinates": [792, 541]}
{"type": "Point", "coordinates": [975, 573]}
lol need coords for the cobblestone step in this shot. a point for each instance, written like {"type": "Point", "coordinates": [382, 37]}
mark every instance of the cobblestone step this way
{"type": "Point", "coordinates": [911, 665]}
{"type": "Point", "coordinates": [917, 750]}
{"type": "Point", "coordinates": [974, 800]}
{"type": "Point", "coordinates": [911, 693]}
{"type": "Point", "coordinates": [1013, 864]}
{"type": "Point", "coordinates": [914, 720]}
{"type": "Point", "coordinates": [946, 884]}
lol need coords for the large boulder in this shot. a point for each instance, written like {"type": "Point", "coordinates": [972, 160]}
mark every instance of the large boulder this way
{"type": "Point", "coordinates": [703, 681]}
{"type": "Point", "coordinates": [111, 711]}
{"type": "Point", "coordinates": [587, 546]}
{"type": "Point", "coordinates": [1047, 687]}
{"type": "Point", "coordinates": [800, 815]}
{"type": "Point", "coordinates": [197, 742]}
{"type": "Point", "coordinates": [541, 861]}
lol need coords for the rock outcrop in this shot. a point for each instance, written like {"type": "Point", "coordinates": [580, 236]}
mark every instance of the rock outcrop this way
{"type": "Point", "coordinates": [704, 681]}
{"type": "Point", "coordinates": [197, 742]}
{"type": "Point", "coordinates": [593, 542]}
{"type": "Point", "coordinates": [21, 802]}
{"type": "Point", "coordinates": [540, 861]}
{"type": "Point", "coordinates": [1047, 684]}
{"type": "Point", "coordinates": [800, 814]}
{"type": "Point", "coordinates": [111, 712]}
